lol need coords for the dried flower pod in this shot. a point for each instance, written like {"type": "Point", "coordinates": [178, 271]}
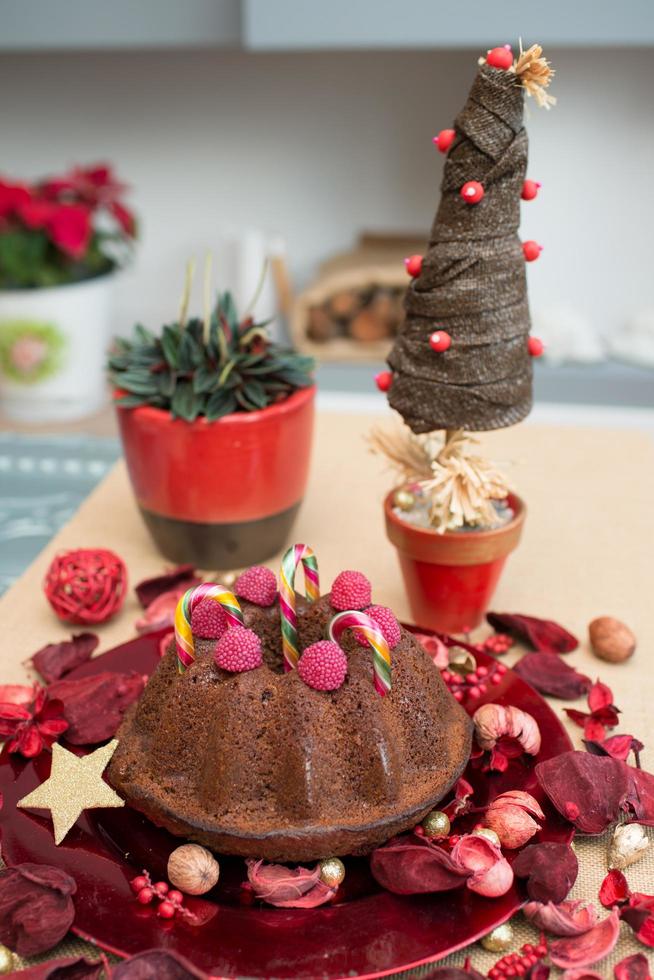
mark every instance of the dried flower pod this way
{"type": "Point", "coordinates": [494, 721]}
{"type": "Point", "coordinates": [513, 816]}
{"type": "Point", "coordinates": [193, 869]}
{"type": "Point", "coordinates": [611, 639]}
{"type": "Point", "coordinates": [36, 907]}
{"type": "Point", "coordinates": [490, 872]}
{"type": "Point", "coordinates": [579, 951]}
{"type": "Point", "coordinates": [570, 918]}
{"type": "Point", "coordinates": [628, 845]}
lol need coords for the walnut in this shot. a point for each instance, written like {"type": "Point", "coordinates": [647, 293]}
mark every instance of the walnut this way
{"type": "Point", "coordinates": [193, 869]}
{"type": "Point", "coordinates": [611, 640]}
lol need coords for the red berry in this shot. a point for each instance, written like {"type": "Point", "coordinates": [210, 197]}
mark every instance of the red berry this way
{"type": "Point", "coordinates": [531, 250]}
{"type": "Point", "coordinates": [457, 695]}
{"type": "Point", "coordinates": [530, 190]}
{"type": "Point", "coordinates": [323, 666]}
{"type": "Point", "coordinates": [496, 679]}
{"type": "Point", "coordinates": [350, 590]}
{"type": "Point", "coordinates": [472, 677]}
{"type": "Point", "coordinates": [535, 347]}
{"type": "Point", "coordinates": [472, 192]}
{"type": "Point", "coordinates": [161, 887]}
{"type": "Point", "coordinates": [482, 688]}
{"type": "Point", "coordinates": [501, 669]}
{"type": "Point", "coordinates": [446, 675]}
{"type": "Point", "coordinates": [388, 624]}
{"type": "Point", "coordinates": [166, 910]}
{"type": "Point", "coordinates": [384, 380]}
{"type": "Point", "coordinates": [440, 341]}
{"type": "Point", "coordinates": [482, 671]}
{"type": "Point", "coordinates": [527, 948]}
{"type": "Point", "coordinates": [413, 265]}
{"type": "Point", "coordinates": [175, 897]}
{"type": "Point", "coordinates": [145, 896]}
{"type": "Point", "coordinates": [474, 693]}
{"type": "Point", "coordinates": [258, 585]}
{"type": "Point", "coordinates": [208, 620]}
{"type": "Point", "coordinates": [444, 140]}
{"type": "Point", "coordinates": [238, 649]}
{"type": "Point", "coordinates": [138, 883]}
{"type": "Point", "coordinates": [500, 57]}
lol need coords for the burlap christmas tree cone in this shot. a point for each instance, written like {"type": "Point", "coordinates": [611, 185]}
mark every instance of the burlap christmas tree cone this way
{"type": "Point", "coordinates": [472, 281]}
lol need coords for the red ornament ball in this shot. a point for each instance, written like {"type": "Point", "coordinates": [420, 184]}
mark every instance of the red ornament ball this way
{"type": "Point", "coordinates": [444, 140]}
{"type": "Point", "coordinates": [258, 585]}
{"type": "Point", "coordinates": [440, 341]}
{"type": "Point", "coordinates": [238, 650]}
{"type": "Point", "coordinates": [350, 590]}
{"type": "Point", "coordinates": [531, 250]}
{"type": "Point", "coordinates": [530, 190]}
{"type": "Point", "coordinates": [384, 380]}
{"type": "Point", "coordinates": [86, 585]}
{"type": "Point", "coordinates": [472, 192]}
{"type": "Point", "coordinates": [500, 57]}
{"type": "Point", "coordinates": [413, 265]}
{"type": "Point", "coordinates": [535, 346]}
{"type": "Point", "coordinates": [323, 666]}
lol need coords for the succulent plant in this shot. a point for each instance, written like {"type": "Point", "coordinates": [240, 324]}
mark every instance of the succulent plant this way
{"type": "Point", "coordinates": [211, 368]}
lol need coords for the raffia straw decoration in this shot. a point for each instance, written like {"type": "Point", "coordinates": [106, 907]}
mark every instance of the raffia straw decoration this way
{"type": "Point", "coordinates": [459, 484]}
{"type": "Point", "coordinates": [535, 74]}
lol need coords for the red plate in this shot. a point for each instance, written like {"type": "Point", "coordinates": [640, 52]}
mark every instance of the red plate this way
{"type": "Point", "coordinates": [368, 933]}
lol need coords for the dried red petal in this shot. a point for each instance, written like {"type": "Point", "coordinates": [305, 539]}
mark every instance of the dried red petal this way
{"type": "Point", "coordinates": [64, 969]}
{"type": "Point", "coordinates": [640, 796]}
{"type": "Point", "coordinates": [453, 973]}
{"type": "Point", "coordinates": [406, 867]}
{"type": "Point", "coordinates": [617, 746]}
{"type": "Point", "coordinates": [588, 790]}
{"type": "Point", "coordinates": [570, 918]}
{"type": "Point", "coordinates": [550, 869]}
{"type": "Point", "coordinates": [289, 888]}
{"type": "Point", "coordinates": [56, 659]}
{"type": "Point", "coordinates": [550, 675]}
{"type": "Point", "coordinates": [16, 694]}
{"type": "Point", "coordinates": [539, 971]}
{"type": "Point", "coordinates": [633, 967]}
{"type": "Point", "coordinates": [36, 908]}
{"type": "Point", "coordinates": [462, 801]}
{"type": "Point", "coordinates": [542, 634]}
{"type": "Point", "coordinates": [490, 873]}
{"type": "Point", "coordinates": [614, 889]}
{"type": "Point", "coordinates": [94, 706]}
{"type": "Point", "coordinates": [148, 590]}
{"type": "Point", "coordinates": [161, 964]}
{"type": "Point", "coordinates": [584, 950]}
{"type": "Point", "coordinates": [161, 611]}
{"type": "Point", "coordinates": [14, 712]}
{"type": "Point", "coordinates": [600, 696]}
{"type": "Point", "coordinates": [581, 974]}
{"type": "Point", "coordinates": [29, 742]}
{"type": "Point", "coordinates": [594, 730]}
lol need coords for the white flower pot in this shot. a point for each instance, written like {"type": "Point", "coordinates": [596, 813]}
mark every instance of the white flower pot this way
{"type": "Point", "coordinates": [52, 350]}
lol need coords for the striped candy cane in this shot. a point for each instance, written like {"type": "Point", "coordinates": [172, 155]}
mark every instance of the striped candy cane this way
{"type": "Point", "coordinates": [296, 554]}
{"type": "Point", "coordinates": [186, 605]}
{"type": "Point", "coordinates": [362, 625]}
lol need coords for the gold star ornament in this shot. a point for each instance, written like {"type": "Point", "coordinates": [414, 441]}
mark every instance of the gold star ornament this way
{"type": "Point", "coordinates": [75, 784]}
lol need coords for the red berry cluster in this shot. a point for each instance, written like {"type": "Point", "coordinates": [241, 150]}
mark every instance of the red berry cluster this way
{"type": "Point", "coordinates": [519, 964]}
{"type": "Point", "coordinates": [474, 684]}
{"type": "Point", "coordinates": [170, 900]}
{"type": "Point", "coordinates": [497, 643]}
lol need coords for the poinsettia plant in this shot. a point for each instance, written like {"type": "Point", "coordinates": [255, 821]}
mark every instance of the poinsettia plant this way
{"type": "Point", "coordinates": [63, 229]}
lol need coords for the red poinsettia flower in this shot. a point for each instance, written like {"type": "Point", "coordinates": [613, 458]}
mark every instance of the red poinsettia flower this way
{"type": "Point", "coordinates": [603, 713]}
{"type": "Point", "coordinates": [32, 727]}
{"type": "Point", "coordinates": [35, 213]}
{"type": "Point", "coordinates": [70, 229]}
{"type": "Point", "coordinates": [12, 196]}
{"type": "Point", "coordinates": [124, 217]}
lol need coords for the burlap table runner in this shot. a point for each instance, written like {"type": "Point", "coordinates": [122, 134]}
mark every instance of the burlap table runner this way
{"type": "Point", "coordinates": [586, 552]}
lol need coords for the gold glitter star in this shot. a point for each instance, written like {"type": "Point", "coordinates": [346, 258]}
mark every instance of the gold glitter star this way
{"type": "Point", "coordinates": [75, 784]}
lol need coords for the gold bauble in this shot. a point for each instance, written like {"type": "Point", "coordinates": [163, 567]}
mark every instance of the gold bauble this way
{"type": "Point", "coordinates": [404, 499]}
{"type": "Point", "coordinates": [500, 939]}
{"type": "Point", "coordinates": [488, 834]}
{"type": "Point", "coordinates": [461, 661]}
{"type": "Point", "coordinates": [436, 824]}
{"type": "Point", "coordinates": [6, 961]}
{"type": "Point", "coordinates": [332, 872]}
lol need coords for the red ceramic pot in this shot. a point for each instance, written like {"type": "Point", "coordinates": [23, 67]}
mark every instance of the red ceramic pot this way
{"type": "Point", "coordinates": [450, 578]}
{"type": "Point", "coordinates": [220, 494]}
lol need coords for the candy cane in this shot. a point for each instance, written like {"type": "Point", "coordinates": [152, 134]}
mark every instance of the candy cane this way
{"type": "Point", "coordinates": [183, 633]}
{"type": "Point", "coordinates": [362, 625]}
{"type": "Point", "coordinates": [296, 554]}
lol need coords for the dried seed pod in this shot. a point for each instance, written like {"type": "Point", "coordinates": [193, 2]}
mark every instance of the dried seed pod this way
{"type": "Point", "coordinates": [193, 869]}
{"type": "Point", "coordinates": [611, 639]}
{"type": "Point", "coordinates": [628, 845]}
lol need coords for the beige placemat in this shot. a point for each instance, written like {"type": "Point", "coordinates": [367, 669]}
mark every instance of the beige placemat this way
{"type": "Point", "coordinates": [587, 551]}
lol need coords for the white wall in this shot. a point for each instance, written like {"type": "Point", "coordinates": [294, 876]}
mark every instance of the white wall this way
{"type": "Point", "coordinates": [318, 146]}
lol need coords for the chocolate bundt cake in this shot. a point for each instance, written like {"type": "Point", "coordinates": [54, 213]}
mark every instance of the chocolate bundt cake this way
{"type": "Point", "coordinates": [255, 761]}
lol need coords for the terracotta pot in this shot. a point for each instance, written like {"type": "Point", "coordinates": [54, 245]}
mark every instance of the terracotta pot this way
{"type": "Point", "coordinates": [450, 578]}
{"type": "Point", "coordinates": [220, 494]}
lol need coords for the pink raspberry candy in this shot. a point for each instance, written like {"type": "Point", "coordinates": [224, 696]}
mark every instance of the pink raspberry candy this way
{"type": "Point", "coordinates": [388, 624]}
{"type": "Point", "coordinates": [257, 584]}
{"type": "Point", "coordinates": [208, 620]}
{"type": "Point", "coordinates": [351, 590]}
{"type": "Point", "coordinates": [323, 666]}
{"type": "Point", "coordinates": [238, 649]}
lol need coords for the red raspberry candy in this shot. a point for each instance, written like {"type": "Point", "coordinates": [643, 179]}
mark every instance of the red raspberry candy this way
{"type": "Point", "coordinates": [351, 590]}
{"type": "Point", "coordinates": [208, 620]}
{"type": "Point", "coordinates": [238, 649]}
{"type": "Point", "coordinates": [388, 624]}
{"type": "Point", "coordinates": [323, 666]}
{"type": "Point", "coordinates": [258, 585]}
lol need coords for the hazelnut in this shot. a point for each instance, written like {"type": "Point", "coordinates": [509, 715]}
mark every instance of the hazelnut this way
{"type": "Point", "coordinates": [611, 640]}
{"type": "Point", "coordinates": [193, 869]}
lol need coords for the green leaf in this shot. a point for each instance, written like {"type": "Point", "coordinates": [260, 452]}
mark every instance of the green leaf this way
{"type": "Point", "coordinates": [255, 393]}
{"type": "Point", "coordinates": [170, 340]}
{"type": "Point", "coordinates": [138, 382]}
{"type": "Point", "coordinates": [219, 404]}
{"type": "Point", "coordinates": [132, 401]}
{"type": "Point", "coordinates": [205, 379]}
{"type": "Point", "coordinates": [227, 307]}
{"type": "Point", "coordinates": [185, 403]}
